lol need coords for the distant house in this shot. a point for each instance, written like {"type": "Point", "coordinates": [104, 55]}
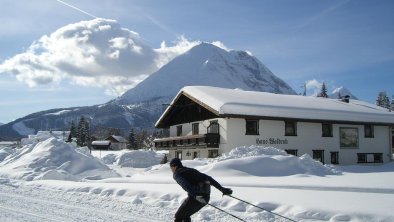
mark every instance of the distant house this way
{"type": "Point", "coordinates": [117, 142]}
{"type": "Point", "coordinates": [101, 144]}
{"type": "Point", "coordinates": [208, 121]}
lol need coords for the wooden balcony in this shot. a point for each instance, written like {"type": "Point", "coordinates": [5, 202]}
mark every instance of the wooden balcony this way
{"type": "Point", "coordinates": [209, 140]}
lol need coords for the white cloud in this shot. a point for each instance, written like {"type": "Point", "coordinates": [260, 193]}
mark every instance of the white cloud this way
{"type": "Point", "coordinates": [92, 53]}
{"type": "Point", "coordinates": [180, 46]}
{"type": "Point", "coordinates": [221, 45]}
{"type": "Point", "coordinates": [313, 86]}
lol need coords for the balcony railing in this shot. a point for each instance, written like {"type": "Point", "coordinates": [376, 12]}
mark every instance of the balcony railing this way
{"type": "Point", "coordinates": [209, 140]}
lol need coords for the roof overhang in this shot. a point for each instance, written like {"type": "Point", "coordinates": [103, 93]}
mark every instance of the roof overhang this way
{"type": "Point", "coordinates": [190, 108]}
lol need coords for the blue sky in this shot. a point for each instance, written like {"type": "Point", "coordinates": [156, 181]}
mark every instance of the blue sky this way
{"type": "Point", "coordinates": [346, 43]}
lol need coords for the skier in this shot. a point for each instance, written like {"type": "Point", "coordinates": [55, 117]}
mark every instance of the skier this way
{"type": "Point", "coordinates": [198, 187]}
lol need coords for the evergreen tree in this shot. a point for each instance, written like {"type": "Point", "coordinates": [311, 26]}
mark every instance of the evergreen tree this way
{"type": "Point", "coordinates": [73, 132]}
{"type": "Point", "coordinates": [392, 103]}
{"type": "Point", "coordinates": [88, 137]}
{"type": "Point", "coordinates": [131, 139]}
{"type": "Point", "coordinates": [383, 100]}
{"type": "Point", "coordinates": [82, 132]}
{"type": "Point", "coordinates": [323, 92]}
{"type": "Point", "coordinates": [141, 137]}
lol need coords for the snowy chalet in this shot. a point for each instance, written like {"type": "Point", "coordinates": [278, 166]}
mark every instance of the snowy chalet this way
{"type": "Point", "coordinates": [117, 142]}
{"type": "Point", "coordinates": [208, 121]}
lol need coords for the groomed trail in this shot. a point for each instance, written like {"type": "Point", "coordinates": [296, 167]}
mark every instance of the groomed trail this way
{"type": "Point", "coordinates": [19, 202]}
{"type": "Point", "coordinates": [32, 204]}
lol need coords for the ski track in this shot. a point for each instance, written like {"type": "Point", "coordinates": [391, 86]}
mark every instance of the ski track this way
{"type": "Point", "coordinates": [38, 204]}
{"type": "Point", "coordinates": [28, 204]}
{"type": "Point", "coordinates": [299, 187]}
{"type": "Point", "coordinates": [321, 188]}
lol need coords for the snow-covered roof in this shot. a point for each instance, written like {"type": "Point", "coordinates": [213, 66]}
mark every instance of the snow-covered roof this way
{"type": "Point", "coordinates": [101, 142]}
{"type": "Point", "coordinates": [234, 102]}
{"type": "Point", "coordinates": [120, 139]}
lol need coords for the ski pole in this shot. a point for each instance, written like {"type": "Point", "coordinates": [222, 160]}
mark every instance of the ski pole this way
{"type": "Point", "coordinates": [226, 212]}
{"type": "Point", "coordinates": [262, 208]}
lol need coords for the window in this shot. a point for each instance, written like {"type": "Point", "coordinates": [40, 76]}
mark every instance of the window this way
{"type": "Point", "coordinates": [369, 157]}
{"type": "Point", "coordinates": [361, 158]}
{"type": "Point", "coordinates": [318, 155]}
{"type": "Point", "coordinates": [178, 154]}
{"type": "Point", "coordinates": [195, 155]}
{"type": "Point", "coordinates": [392, 138]}
{"type": "Point", "coordinates": [213, 153]}
{"type": "Point", "coordinates": [213, 127]}
{"type": "Point", "coordinates": [326, 130]}
{"type": "Point", "coordinates": [179, 130]}
{"type": "Point", "coordinates": [290, 128]}
{"type": "Point", "coordinates": [368, 131]}
{"type": "Point", "coordinates": [292, 152]}
{"type": "Point", "coordinates": [195, 128]}
{"type": "Point", "coordinates": [348, 137]}
{"type": "Point", "coordinates": [378, 158]}
{"type": "Point", "coordinates": [334, 157]}
{"type": "Point", "coordinates": [252, 127]}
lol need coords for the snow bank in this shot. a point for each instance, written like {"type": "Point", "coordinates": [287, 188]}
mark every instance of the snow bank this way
{"type": "Point", "coordinates": [246, 151]}
{"type": "Point", "coordinates": [135, 159]}
{"type": "Point", "coordinates": [267, 161]}
{"type": "Point", "coordinates": [44, 135]}
{"type": "Point", "coordinates": [53, 159]}
{"type": "Point", "coordinates": [5, 151]}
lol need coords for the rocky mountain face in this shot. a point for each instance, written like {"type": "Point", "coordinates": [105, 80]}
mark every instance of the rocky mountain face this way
{"type": "Point", "coordinates": [142, 105]}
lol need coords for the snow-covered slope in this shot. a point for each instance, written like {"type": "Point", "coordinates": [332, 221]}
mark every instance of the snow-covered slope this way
{"type": "Point", "coordinates": [55, 181]}
{"type": "Point", "coordinates": [208, 65]}
{"type": "Point", "coordinates": [51, 159]}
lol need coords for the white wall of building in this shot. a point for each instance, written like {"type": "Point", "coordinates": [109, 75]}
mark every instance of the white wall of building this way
{"type": "Point", "coordinates": [309, 137]}
{"type": "Point", "coordinates": [203, 126]}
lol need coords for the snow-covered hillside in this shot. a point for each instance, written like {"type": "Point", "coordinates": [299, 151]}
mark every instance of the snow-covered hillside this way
{"type": "Point", "coordinates": [296, 187]}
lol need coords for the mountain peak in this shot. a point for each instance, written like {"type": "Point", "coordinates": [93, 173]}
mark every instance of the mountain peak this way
{"type": "Point", "coordinates": [206, 47]}
{"type": "Point", "coordinates": [206, 65]}
{"type": "Point", "coordinates": [340, 92]}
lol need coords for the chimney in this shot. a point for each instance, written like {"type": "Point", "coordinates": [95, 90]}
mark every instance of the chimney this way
{"type": "Point", "coordinates": [346, 99]}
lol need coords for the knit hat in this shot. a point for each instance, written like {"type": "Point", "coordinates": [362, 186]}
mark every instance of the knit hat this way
{"type": "Point", "coordinates": [176, 162]}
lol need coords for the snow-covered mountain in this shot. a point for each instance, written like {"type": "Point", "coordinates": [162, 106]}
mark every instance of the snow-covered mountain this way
{"type": "Point", "coordinates": [140, 107]}
{"type": "Point", "coordinates": [341, 92]}
{"type": "Point", "coordinates": [207, 65]}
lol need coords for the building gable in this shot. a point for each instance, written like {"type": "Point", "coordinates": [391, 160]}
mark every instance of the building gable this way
{"type": "Point", "coordinates": [184, 109]}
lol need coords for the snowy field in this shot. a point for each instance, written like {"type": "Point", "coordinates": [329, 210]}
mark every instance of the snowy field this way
{"type": "Point", "coordinates": [54, 181]}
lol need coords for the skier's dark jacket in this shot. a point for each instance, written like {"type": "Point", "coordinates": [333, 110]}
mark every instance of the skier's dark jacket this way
{"type": "Point", "coordinates": [194, 182]}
